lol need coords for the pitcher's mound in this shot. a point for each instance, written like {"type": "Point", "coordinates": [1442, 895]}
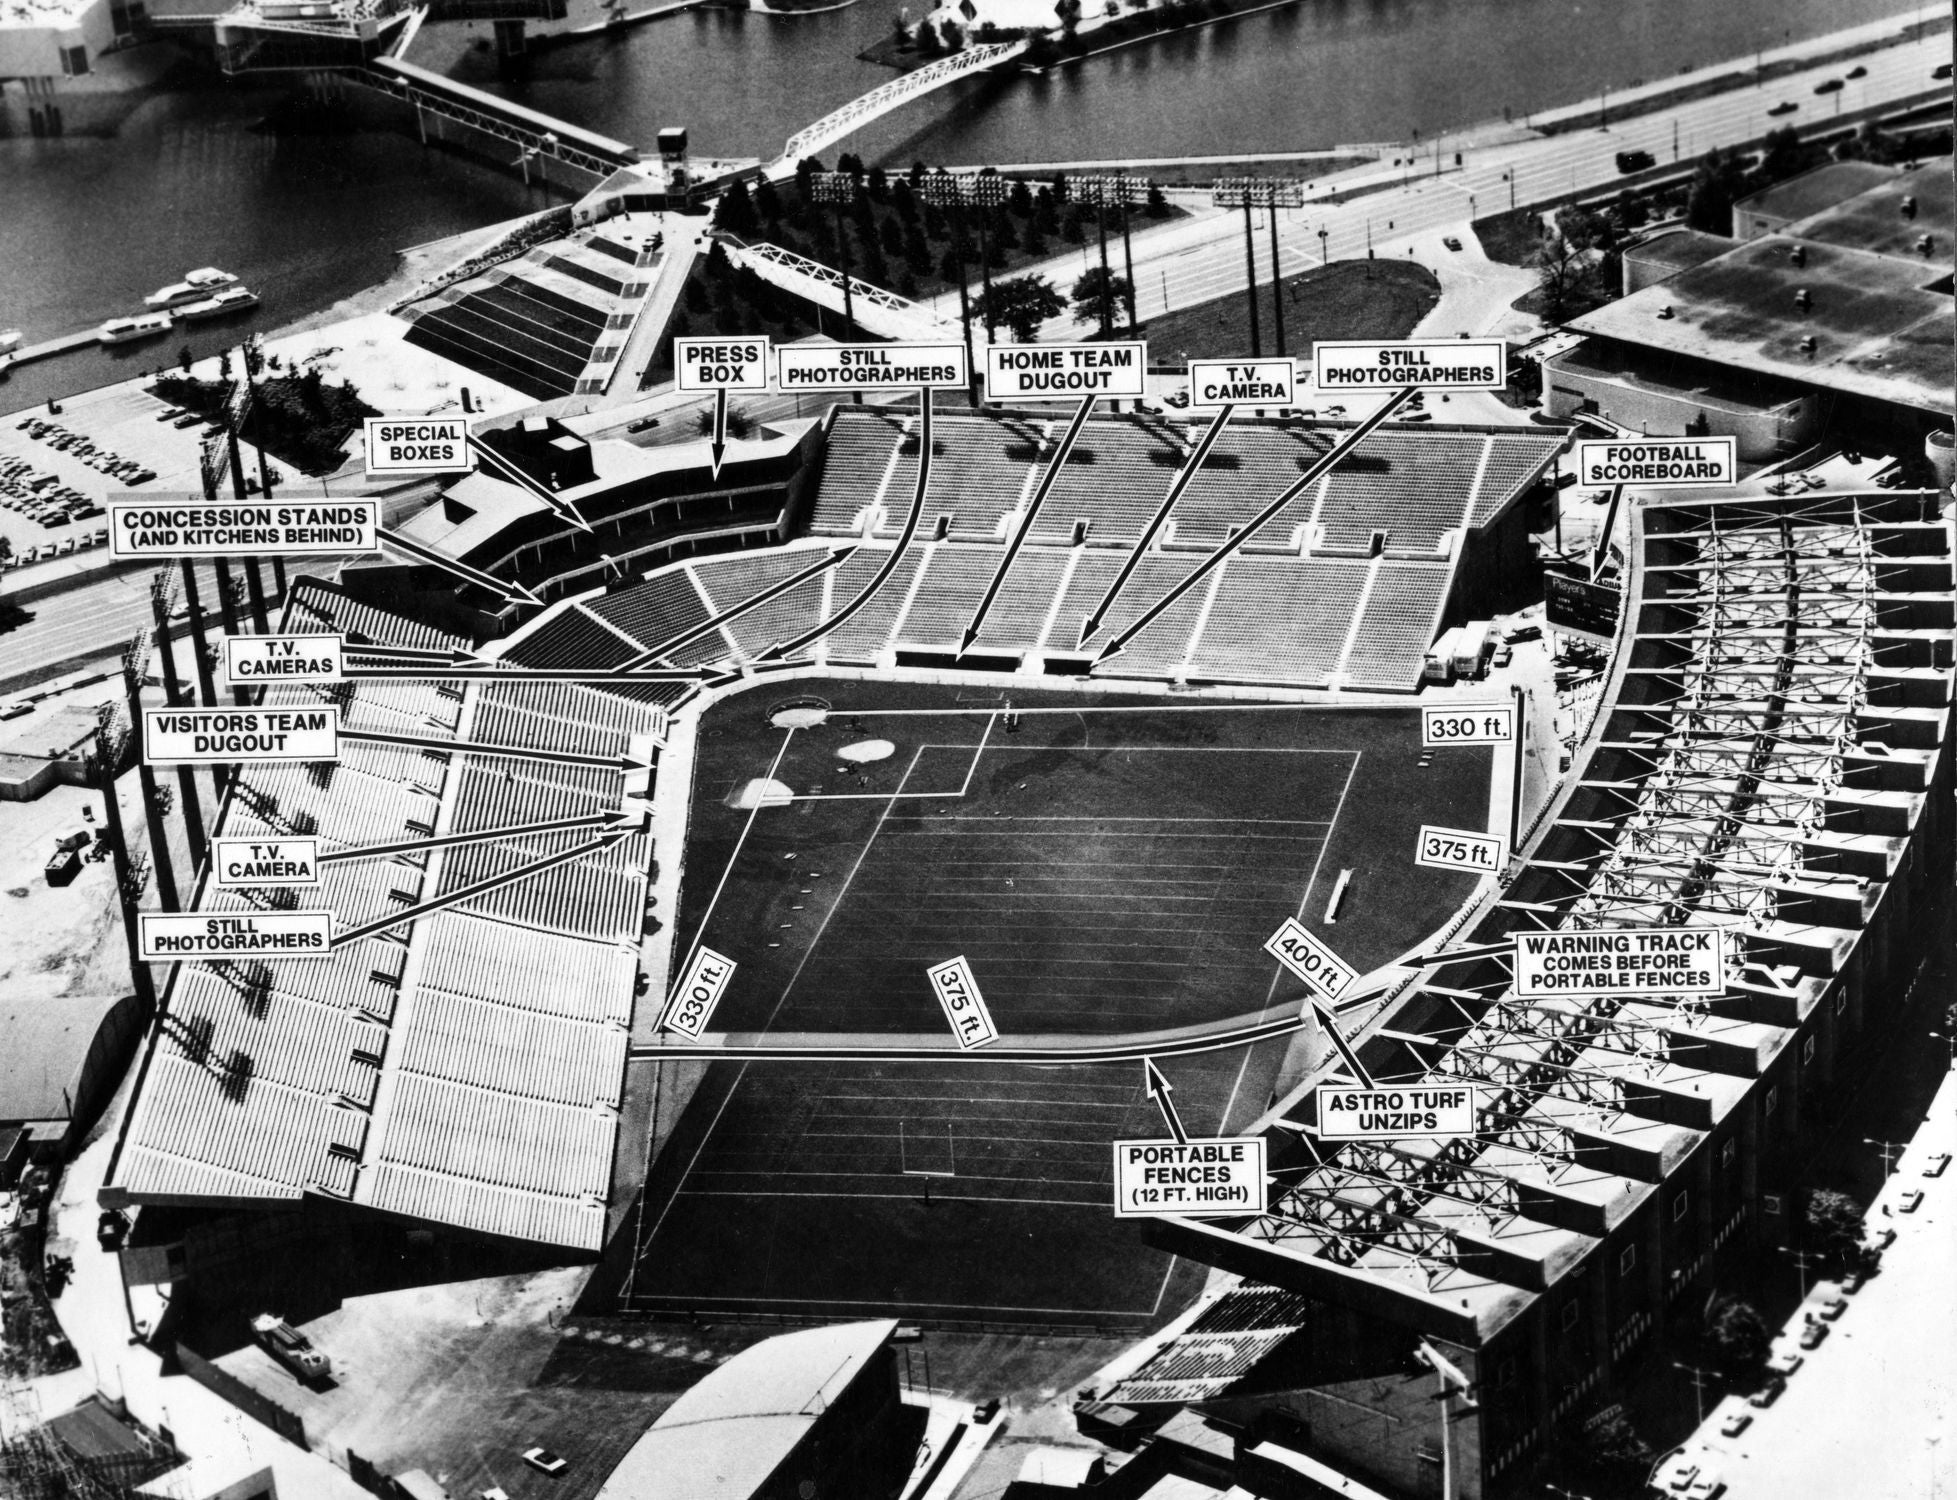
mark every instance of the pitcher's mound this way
{"type": "Point", "coordinates": [760, 792]}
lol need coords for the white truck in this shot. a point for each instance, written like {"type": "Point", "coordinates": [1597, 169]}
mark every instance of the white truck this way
{"type": "Point", "coordinates": [290, 1347]}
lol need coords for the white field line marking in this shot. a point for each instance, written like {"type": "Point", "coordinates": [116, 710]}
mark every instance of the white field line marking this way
{"type": "Point", "coordinates": [1305, 900]}
{"type": "Point", "coordinates": [700, 933]}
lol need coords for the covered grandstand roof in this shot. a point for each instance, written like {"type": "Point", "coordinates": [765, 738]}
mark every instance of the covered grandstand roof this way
{"type": "Point", "coordinates": [728, 1434]}
{"type": "Point", "coordinates": [1775, 727]}
{"type": "Point", "coordinates": [463, 1067]}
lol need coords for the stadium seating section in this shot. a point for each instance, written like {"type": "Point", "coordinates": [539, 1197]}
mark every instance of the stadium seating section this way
{"type": "Point", "coordinates": [465, 1065]}
{"type": "Point", "coordinates": [1346, 586]}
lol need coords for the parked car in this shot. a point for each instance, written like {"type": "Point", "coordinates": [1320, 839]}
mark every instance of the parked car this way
{"type": "Point", "coordinates": [1451, 242]}
{"type": "Point", "coordinates": [1635, 161]}
{"type": "Point", "coordinates": [545, 1462]}
{"type": "Point", "coordinates": [1735, 1424]}
{"type": "Point", "coordinates": [1829, 86]}
{"type": "Point", "coordinates": [1785, 107]}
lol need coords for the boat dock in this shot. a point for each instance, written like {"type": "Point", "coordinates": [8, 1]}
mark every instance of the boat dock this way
{"type": "Point", "coordinates": [48, 347]}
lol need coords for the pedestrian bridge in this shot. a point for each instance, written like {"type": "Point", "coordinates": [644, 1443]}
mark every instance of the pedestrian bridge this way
{"type": "Point", "coordinates": [880, 101]}
{"type": "Point", "coordinates": [533, 133]}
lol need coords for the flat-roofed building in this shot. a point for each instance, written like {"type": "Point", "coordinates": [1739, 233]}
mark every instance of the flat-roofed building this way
{"type": "Point", "coordinates": [1773, 208]}
{"type": "Point", "coordinates": [1843, 315]}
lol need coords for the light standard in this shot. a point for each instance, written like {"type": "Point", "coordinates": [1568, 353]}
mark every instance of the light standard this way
{"type": "Point", "coordinates": [1951, 1038]}
{"type": "Point", "coordinates": [839, 189]}
{"type": "Point", "coordinates": [1324, 252]}
{"type": "Point", "coordinates": [1272, 193]}
{"type": "Point", "coordinates": [942, 190]}
{"type": "Point", "coordinates": [1116, 191]}
{"type": "Point", "coordinates": [986, 192]}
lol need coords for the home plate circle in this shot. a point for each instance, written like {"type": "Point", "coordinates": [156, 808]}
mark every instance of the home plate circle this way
{"type": "Point", "coordinates": [802, 713]}
{"type": "Point", "coordinates": [864, 751]}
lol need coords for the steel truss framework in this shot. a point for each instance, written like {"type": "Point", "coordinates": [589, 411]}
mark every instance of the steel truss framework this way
{"type": "Point", "coordinates": [1765, 714]}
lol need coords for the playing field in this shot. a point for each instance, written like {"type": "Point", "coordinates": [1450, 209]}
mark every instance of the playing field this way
{"type": "Point", "coordinates": [1105, 868]}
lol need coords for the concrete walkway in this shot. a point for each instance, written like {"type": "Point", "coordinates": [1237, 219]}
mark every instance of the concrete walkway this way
{"type": "Point", "coordinates": [223, 1445]}
{"type": "Point", "coordinates": [1869, 1412]}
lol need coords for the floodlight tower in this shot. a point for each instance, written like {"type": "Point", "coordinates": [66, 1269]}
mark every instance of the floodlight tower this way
{"type": "Point", "coordinates": [942, 190]}
{"type": "Point", "coordinates": [1115, 191]}
{"type": "Point", "coordinates": [1265, 192]}
{"type": "Point", "coordinates": [840, 190]}
{"type": "Point", "coordinates": [986, 192]}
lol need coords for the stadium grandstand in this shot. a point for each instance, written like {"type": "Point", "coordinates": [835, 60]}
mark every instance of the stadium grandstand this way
{"type": "Point", "coordinates": [553, 322]}
{"type": "Point", "coordinates": [1347, 587]}
{"type": "Point", "coordinates": [1773, 759]}
{"type": "Point", "coordinates": [462, 1067]}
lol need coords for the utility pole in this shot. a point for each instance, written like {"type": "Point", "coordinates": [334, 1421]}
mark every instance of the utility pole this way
{"type": "Point", "coordinates": [1699, 1379]}
{"type": "Point", "coordinates": [1804, 1261]}
{"type": "Point", "coordinates": [1891, 1150]}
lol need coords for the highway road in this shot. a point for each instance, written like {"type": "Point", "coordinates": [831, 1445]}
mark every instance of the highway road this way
{"type": "Point", "coordinates": [1195, 260]}
{"type": "Point", "coordinates": [95, 619]}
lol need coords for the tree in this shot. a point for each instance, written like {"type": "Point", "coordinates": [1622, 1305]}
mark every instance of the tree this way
{"type": "Point", "coordinates": [926, 40]}
{"type": "Point", "coordinates": [1783, 155]}
{"type": "Point", "coordinates": [1086, 296]}
{"type": "Point", "coordinates": [737, 215]}
{"type": "Point", "coordinates": [1716, 184]}
{"type": "Point", "coordinates": [954, 39]}
{"type": "Point", "coordinates": [1614, 1446]}
{"type": "Point", "coordinates": [184, 359]}
{"type": "Point", "coordinates": [1158, 206]}
{"type": "Point", "coordinates": [1737, 1336]}
{"type": "Point", "coordinates": [1023, 303]}
{"type": "Point", "coordinates": [740, 422]}
{"type": "Point", "coordinates": [1834, 1220]}
{"type": "Point", "coordinates": [768, 201]}
{"type": "Point", "coordinates": [1563, 279]}
{"type": "Point", "coordinates": [1585, 230]}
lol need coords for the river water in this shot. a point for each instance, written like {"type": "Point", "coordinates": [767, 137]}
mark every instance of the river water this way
{"type": "Point", "coordinates": [88, 226]}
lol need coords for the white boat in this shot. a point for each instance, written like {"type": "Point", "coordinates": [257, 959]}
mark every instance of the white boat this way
{"type": "Point", "coordinates": [231, 299]}
{"type": "Point", "coordinates": [9, 340]}
{"type": "Point", "coordinates": [196, 286]}
{"type": "Point", "coordinates": [128, 330]}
